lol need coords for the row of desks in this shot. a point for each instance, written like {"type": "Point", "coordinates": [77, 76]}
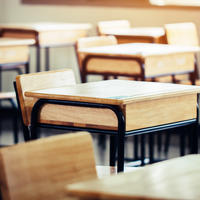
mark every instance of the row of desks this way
{"type": "Point", "coordinates": [158, 59]}
{"type": "Point", "coordinates": [138, 60]}
{"type": "Point", "coordinates": [46, 35]}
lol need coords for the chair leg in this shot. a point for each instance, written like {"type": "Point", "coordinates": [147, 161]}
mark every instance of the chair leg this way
{"type": "Point", "coordinates": [182, 142]}
{"type": "Point", "coordinates": [26, 133]}
{"type": "Point", "coordinates": [159, 144]}
{"type": "Point", "coordinates": [194, 139]}
{"type": "Point", "coordinates": [135, 142]}
{"type": "Point", "coordinates": [15, 128]}
{"type": "Point", "coordinates": [167, 142]}
{"type": "Point", "coordinates": [142, 150]}
{"type": "Point", "coordinates": [105, 77]}
{"type": "Point", "coordinates": [27, 68]}
{"type": "Point", "coordinates": [15, 121]}
{"type": "Point", "coordinates": [151, 148]}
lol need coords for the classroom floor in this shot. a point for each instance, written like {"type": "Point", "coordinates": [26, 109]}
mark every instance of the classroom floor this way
{"type": "Point", "coordinates": [101, 144]}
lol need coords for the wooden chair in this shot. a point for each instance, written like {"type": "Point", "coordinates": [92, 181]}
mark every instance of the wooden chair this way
{"type": "Point", "coordinates": [98, 65]}
{"type": "Point", "coordinates": [104, 26]}
{"type": "Point", "coordinates": [184, 34]}
{"type": "Point", "coordinates": [41, 169]}
{"type": "Point", "coordinates": [36, 81]}
{"type": "Point", "coordinates": [93, 42]}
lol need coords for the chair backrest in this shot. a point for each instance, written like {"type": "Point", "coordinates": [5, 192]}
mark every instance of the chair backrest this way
{"type": "Point", "coordinates": [182, 34]}
{"type": "Point", "coordinates": [104, 26]}
{"type": "Point", "coordinates": [94, 41]}
{"type": "Point", "coordinates": [40, 80]}
{"type": "Point", "coordinates": [40, 169]}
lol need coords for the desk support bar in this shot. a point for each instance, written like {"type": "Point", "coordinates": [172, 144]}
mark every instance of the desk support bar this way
{"type": "Point", "coordinates": [120, 133]}
{"type": "Point", "coordinates": [116, 109]}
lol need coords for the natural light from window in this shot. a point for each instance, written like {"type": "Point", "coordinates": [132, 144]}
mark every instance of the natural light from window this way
{"type": "Point", "coordinates": [175, 2]}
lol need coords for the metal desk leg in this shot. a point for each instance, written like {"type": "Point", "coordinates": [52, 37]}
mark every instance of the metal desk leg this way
{"type": "Point", "coordinates": [151, 148]}
{"type": "Point", "coordinates": [182, 136]}
{"type": "Point", "coordinates": [113, 148]}
{"type": "Point", "coordinates": [135, 143]}
{"type": "Point", "coordinates": [46, 58]}
{"type": "Point", "coordinates": [25, 128]}
{"type": "Point", "coordinates": [38, 59]}
{"type": "Point", "coordinates": [121, 138]}
{"type": "Point", "coordinates": [27, 67]}
{"type": "Point", "coordinates": [194, 139]}
{"type": "Point", "coordinates": [142, 150]}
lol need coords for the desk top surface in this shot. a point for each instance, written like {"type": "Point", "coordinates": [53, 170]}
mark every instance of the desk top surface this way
{"type": "Point", "coordinates": [5, 42]}
{"type": "Point", "coordinates": [138, 49]}
{"type": "Point", "coordinates": [115, 92]}
{"type": "Point", "coordinates": [43, 26]}
{"type": "Point", "coordinates": [138, 31]}
{"type": "Point", "coordinates": [172, 179]}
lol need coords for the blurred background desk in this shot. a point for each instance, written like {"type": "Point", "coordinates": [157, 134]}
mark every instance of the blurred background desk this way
{"type": "Point", "coordinates": [173, 179]}
{"type": "Point", "coordinates": [14, 56]}
{"type": "Point", "coordinates": [140, 34]}
{"type": "Point", "coordinates": [46, 35]}
{"type": "Point", "coordinates": [140, 61]}
{"type": "Point", "coordinates": [118, 108]}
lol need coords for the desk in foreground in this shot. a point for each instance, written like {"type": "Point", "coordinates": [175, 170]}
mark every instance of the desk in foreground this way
{"type": "Point", "coordinates": [173, 179]}
{"type": "Point", "coordinates": [144, 104]}
{"type": "Point", "coordinates": [45, 35]}
{"type": "Point", "coordinates": [139, 34]}
{"type": "Point", "coordinates": [115, 107]}
{"type": "Point", "coordinates": [14, 50]}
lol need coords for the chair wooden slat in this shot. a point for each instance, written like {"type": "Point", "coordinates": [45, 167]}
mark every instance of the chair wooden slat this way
{"type": "Point", "coordinates": [40, 169]}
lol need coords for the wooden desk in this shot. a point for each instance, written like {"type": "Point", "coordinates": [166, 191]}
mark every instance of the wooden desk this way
{"type": "Point", "coordinates": [14, 54]}
{"type": "Point", "coordinates": [139, 34]}
{"type": "Point", "coordinates": [117, 107]}
{"type": "Point", "coordinates": [172, 179]}
{"type": "Point", "coordinates": [138, 60]}
{"type": "Point", "coordinates": [46, 35]}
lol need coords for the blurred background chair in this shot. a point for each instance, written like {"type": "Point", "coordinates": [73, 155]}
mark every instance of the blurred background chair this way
{"type": "Point", "coordinates": [104, 26]}
{"type": "Point", "coordinates": [42, 168]}
{"type": "Point", "coordinates": [183, 34]}
{"type": "Point", "coordinates": [91, 68]}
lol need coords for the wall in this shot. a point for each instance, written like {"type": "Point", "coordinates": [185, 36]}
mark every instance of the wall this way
{"type": "Point", "coordinates": [14, 11]}
{"type": "Point", "coordinates": [2, 10]}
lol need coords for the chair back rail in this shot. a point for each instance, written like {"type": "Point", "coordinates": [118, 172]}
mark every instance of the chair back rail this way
{"type": "Point", "coordinates": [36, 81]}
{"type": "Point", "coordinates": [182, 34]}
